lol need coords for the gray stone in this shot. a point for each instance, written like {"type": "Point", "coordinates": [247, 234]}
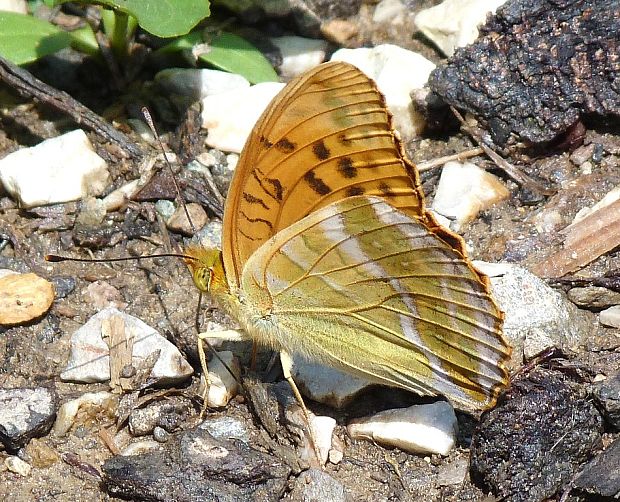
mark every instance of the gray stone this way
{"type": "Point", "coordinates": [25, 413]}
{"type": "Point", "coordinates": [610, 317]}
{"type": "Point", "coordinates": [194, 466]}
{"type": "Point", "coordinates": [594, 297]}
{"type": "Point", "coordinates": [537, 316]}
{"type": "Point", "coordinates": [607, 394]}
{"type": "Point", "coordinates": [602, 475]}
{"type": "Point", "coordinates": [316, 485]}
{"type": "Point", "coordinates": [168, 414]}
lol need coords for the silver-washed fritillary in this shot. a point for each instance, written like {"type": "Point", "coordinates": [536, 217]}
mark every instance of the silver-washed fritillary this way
{"type": "Point", "coordinates": [328, 252]}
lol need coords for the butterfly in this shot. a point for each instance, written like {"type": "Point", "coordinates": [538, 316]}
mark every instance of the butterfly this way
{"type": "Point", "coordinates": [329, 254]}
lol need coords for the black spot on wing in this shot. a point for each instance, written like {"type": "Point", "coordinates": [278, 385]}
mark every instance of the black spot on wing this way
{"type": "Point", "coordinates": [345, 168]}
{"type": "Point", "coordinates": [353, 191]}
{"type": "Point", "coordinates": [320, 151]}
{"type": "Point", "coordinates": [385, 189]}
{"type": "Point", "coordinates": [265, 142]}
{"type": "Point", "coordinates": [343, 140]}
{"type": "Point", "coordinates": [251, 199]}
{"type": "Point", "coordinates": [316, 184]}
{"type": "Point", "coordinates": [285, 146]}
{"type": "Point", "coordinates": [277, 187]}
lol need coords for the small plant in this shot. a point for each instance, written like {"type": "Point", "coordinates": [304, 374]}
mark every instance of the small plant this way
{"type": "Point", "coordinates": [24, 38]}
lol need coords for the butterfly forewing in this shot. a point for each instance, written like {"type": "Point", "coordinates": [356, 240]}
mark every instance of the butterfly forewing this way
{"type": "Point", "coordinates": [362, 286]}
{"type": "Point", "coordinates": [327, 136]}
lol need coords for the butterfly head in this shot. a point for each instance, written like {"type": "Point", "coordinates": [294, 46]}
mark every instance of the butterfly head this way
{"type": "Point", "coordinates": [207, 268]}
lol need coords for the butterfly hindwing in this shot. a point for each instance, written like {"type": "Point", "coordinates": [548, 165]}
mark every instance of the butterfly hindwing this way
{"type": "Point", "coordinates": [362, 286]}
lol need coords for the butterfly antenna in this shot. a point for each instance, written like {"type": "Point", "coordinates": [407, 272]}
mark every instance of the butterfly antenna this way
{"type": "Point", "coordinates": [149, 120]}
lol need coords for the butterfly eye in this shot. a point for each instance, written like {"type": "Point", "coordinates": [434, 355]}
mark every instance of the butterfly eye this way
{"type": "Point", "coordinates": [202, 278]}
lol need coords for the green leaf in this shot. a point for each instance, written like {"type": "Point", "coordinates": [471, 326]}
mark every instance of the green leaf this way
{"type": "Point", "coordinates": [24, 39]}
{"type": "Point", "coordinates": [162, 18]}
{"type": "Point", "coordinates": [227, 52]}
{"type": "Point", "coordinates": [234, 54]}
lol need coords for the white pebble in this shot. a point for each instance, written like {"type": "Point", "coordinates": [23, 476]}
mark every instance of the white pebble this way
{"type": "Point", "coordinates": [389, 11]}
{"type": "Point", "coordinates": [610, 317]}
{"type": "Point", "coordinates": [199, 83]}
{"type": "Point", "coordinates": [454, 23]}
{"type": "Point", "coordinates": [464, 190]}
{"type": "Point", "coordinates": [90, 360]}
{"type": "Point", "coordinates": [230, 116]}
{"type": "Point", "coordinates": [299, 54]}
{"type": "Point", "coordinates": [426, 428]}
{"type": "Point", "coordinates": [222, 385]}
{"type": "Point", "coordinates": [57, 170]}
{"type": "Point", "coordinates": [397, 72]}
{"type": "Point", "coordinates": [119, 197]}
{"type": "Point", "coordinates": [17, 465]}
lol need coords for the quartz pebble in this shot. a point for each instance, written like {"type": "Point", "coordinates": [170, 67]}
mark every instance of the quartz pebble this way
{"type": "Point", "coordinates": [299, 54]}
{"type": "Point", "coordinates": [178, 222]}
{"type": "Point", "coordinates": [426, 428]}
{"type": "Point", "coordinates": [464, 190]}
{"type": "Point", "coordinates": [230, 116]}
{"type": "Point", "coordinates": [198, 83]}
{"type": "Point", "coordinates": [398, 72]}
{"type": "Point", "coordinates": [454, 23]}
{"type": "Point", "coordinates": [222, 385]}
{"type": "Point", "coordinates": [17, 465]}
{"type": "Point", "coordinates": [57, 170]}
{"type": "Point", "coordinates": [610, 317]}
{"type": "Point", "coordinates": [90, 360]}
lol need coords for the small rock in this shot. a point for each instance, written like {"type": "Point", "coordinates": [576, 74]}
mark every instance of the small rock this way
{"type": "Point", "coordinates": [194, 466]}
{"type": "Point", "coordinates": [60, 169]}
{"type": "Point", "coordinates": [222, 385]}
{"type": "Point", "coordinates": [40, 454]}
{"type": "Point", "coordinates": [582, 154]}
{"type": "Point", "coordinates": [299, 54]}
{"type": "Point", "coordinates": [230, 116]}
{"type": "Point", "coordinates": [397, 72]}
{"type": "Point", "coordinates": [198, 83]}
{"type": "Point", "coordinates": [210, 236]}
{"type": "Point", "coordinates": [534, 441]}
{"type": "Point", "coordinates": [453, 473]}
{"type": "Point", "coordinates": [426, 428]}
{"type": "Point", "coordinates": [160, 434]}
{"type": "Point", "coordinates": [316, 485]}
{"type": "Point", "coordinates": [25, 413]}
{"type": "Point", "coordinates": [327, 385]}
{"type": "Point", "coordinates": [454, 23]}
{"type": "Point", "coordinates": [90, 361]}
{"type": "Point", "coordinates": [537, 317]}
{"type": "Point", "coordinates": [390, 11]}
{"type": "Point", "coordinates": [92, 212]}
{"type": "Point", "coordinates": [226, 428]}
{"type": "Point", "coordinates": [168, 415]}
{"type": "Point", "coordinates": [594, 297]}
{"type": "Point", "coordinates": [607, 395]}
{"type": "Point", "coordinates": [101, 294]}
{"type": "Point", "coordinates": [140, 447]}
{"type": "Point", "coordinates": [322, 428]}
{"type": "Point", "coordinates": [24, 297]}
{"type": "Point", "coordinates": [610, 317]}
{"type": "Point", "coordinates": [464, 190]}
{"type": "Point", "coordinates": [179, 223]}
{"type": "Point", "coordinates": [339, 31]}
{"type": "Point", "coordinates": [17, 465]}
{"type": "Point", "coordinates": [121, 196]}
{"type": "Point", "coordinates": [89, 404]}
{"type": "Point", "coordinates": [165, 208]}
{"type": "Point", "coordinates": [601, 476]}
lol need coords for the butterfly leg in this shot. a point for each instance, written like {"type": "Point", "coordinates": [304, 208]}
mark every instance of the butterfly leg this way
{"type": "Point", "coordinates": [203, 339]}
{"type": "Point", "coordinates": [287, 366]}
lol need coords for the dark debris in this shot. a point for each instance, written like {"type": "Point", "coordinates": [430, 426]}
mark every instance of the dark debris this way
{"type": "Point", "coordinates": [537, 68]}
